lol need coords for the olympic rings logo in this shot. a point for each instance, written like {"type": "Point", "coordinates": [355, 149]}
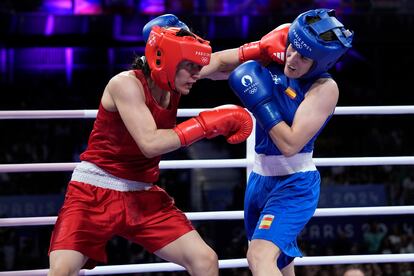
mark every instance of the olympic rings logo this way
{"type": "Point", "coordinates": [297, 44]}
{"type": "Point", "coordinates": [252, 90]}
{"type": "Point", "coordinates": [204, 60]}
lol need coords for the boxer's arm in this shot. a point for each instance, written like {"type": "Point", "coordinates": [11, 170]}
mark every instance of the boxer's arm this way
{"type": "Point", "coordinates": [311, 115]}
{"type": "Point", "coordinates": [270, 47]}
{"type": "Point", "coordinates": [126, 95]}
{"type": "Point", "coordinates": [221, 64]}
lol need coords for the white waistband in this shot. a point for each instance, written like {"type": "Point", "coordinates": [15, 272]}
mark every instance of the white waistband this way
{"type": "Point", "coordinates": [89, 173]}
{"type": "Point", "coordinates": [276, 165]}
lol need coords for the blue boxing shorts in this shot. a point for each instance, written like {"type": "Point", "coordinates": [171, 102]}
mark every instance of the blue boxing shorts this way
{"type": "Point", "coordinates": [277, 208]}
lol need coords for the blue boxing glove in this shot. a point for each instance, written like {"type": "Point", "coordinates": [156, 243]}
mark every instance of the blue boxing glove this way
{"type": "Point", "coordinates": [253, 83]}
{"type": "Point", "coordinates": [165, 20]}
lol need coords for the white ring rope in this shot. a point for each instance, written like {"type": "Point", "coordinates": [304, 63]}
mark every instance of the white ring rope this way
{"type": "Point", "coordinates": [217, 163]}
{"type": "Point", "coordinates": [374, 110]}
{"type": "Point", "coordinates": [165, 164]}
{"type": "Point", "coordinates": [222, 163]}
{"type": "Point", "coordinates": [229, 263]}
{"type": "Point", "coordinates": [48, 114]}
{"type": "Point", "coordinates": [187, 112]}
{"type": "Point", "coordinates": [235, 215]}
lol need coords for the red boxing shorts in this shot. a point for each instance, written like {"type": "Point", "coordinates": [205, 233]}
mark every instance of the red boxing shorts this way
{"type": "Point", "coordinates": [90, 216]}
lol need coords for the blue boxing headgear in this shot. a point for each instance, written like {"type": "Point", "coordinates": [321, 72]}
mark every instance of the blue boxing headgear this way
{"type": "Point", "coordinates": [164, 21]}
{"type": "Point", "coordinates": [305, 38]}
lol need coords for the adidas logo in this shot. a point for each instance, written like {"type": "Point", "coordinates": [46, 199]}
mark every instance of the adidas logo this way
{"type": "Point", "coordinates": [280, 55]}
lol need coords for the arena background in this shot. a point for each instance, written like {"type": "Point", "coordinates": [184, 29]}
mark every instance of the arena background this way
{"type": "Point", "coordinates": [59, 54]}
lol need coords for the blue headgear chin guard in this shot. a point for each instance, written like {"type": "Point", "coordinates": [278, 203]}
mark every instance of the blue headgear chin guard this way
{"type": "Point", "coordinates": [305, 38]}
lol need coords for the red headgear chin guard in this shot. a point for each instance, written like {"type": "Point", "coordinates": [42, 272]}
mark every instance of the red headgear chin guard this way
{"type": "Point", "coordinates": [165, 50]}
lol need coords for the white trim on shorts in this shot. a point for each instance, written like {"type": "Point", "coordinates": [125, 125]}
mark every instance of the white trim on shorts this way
{"type": "Point", "coordinates": [91, 174]}
{"type": "Point", "coordinates": [277, 165]}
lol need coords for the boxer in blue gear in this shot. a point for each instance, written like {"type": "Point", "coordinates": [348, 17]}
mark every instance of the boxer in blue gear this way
{"type": "Point", "coordinates": [272, 213]}
{"type": "Point", "coordinates": [291, 105]}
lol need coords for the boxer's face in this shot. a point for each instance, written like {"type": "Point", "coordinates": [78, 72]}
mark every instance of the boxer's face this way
{"type": "Point", "coordinates": [187, 74]}
{"type": "Point", "coordinates": [296, 64]}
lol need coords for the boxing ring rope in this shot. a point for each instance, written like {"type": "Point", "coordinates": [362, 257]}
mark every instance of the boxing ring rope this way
{"type": "Point", "coordinates": [217, 163]}
{"type": "Point", "coordinates": [187, 112]}
{"type": "Point", "coordinates": [230, 263]}
{"type": "Point", "coordinates": [223, 215]}
{"type": "Point", "coordinates": [236, 215]}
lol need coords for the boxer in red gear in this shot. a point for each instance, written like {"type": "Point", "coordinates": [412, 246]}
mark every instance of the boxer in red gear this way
{"type": "Point", "coordinates": [111, 191]}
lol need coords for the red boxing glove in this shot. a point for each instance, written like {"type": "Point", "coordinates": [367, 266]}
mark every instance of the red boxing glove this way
{"type": "Point", "coordinates": [271, 47]}
{"type": "Point", "coordinates": [231, 121]}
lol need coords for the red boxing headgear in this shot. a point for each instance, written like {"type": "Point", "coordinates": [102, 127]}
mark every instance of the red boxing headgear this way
{"type": "Point", "coordinates": [165, 50]}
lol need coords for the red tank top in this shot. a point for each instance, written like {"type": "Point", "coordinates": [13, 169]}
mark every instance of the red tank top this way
{"type": "Point", "coordinates": [113, 149]}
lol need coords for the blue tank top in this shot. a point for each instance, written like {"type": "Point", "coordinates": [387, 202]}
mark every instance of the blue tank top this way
{"type": "Point", "coordinates": [288, 95]}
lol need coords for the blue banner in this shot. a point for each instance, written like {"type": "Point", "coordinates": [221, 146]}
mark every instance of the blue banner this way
{"type": "Point", "coordinates": [353, 195]}
{"type": "Point", "coordinates": [353, 227]}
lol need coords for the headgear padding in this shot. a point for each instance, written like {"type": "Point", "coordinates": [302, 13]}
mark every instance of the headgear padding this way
{"type": "Point", "coordinates": [165, 50]}
{"type": "Point", "coordinates": [306, 39]}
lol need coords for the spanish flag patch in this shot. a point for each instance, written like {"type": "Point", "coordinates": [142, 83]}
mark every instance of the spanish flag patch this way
{"type": "Point", "coordinates": [290, 92]}
{"type": "Point", "coordinates": [266, 221]}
